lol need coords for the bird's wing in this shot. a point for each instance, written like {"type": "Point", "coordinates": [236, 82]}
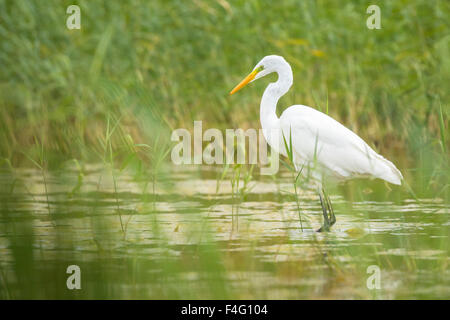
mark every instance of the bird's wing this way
{"type": "Point", "coordinates": [318, 137]}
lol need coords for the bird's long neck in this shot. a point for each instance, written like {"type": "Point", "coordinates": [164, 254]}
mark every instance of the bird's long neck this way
{"type": "Point", "coordinates": [272, 94]}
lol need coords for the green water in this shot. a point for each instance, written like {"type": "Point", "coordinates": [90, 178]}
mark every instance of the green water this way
{"type": "Point", "coordinates": [188, 235]}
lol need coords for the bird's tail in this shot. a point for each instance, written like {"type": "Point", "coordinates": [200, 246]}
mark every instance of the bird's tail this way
{"type": "Point", "coordinates": [386, 170]}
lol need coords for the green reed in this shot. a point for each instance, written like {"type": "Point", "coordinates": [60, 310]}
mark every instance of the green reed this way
{"type": "Point", "coordinates": [111, 93]}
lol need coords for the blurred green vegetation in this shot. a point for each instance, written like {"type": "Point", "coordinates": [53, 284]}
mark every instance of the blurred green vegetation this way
{"type": "Point", "coordinates": [158, 65]}
{"type": "Point", "coordinates": [111, 93]}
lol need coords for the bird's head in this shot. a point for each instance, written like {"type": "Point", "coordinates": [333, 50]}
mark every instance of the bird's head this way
{"type": "Point", "coordinates": [267, 65]}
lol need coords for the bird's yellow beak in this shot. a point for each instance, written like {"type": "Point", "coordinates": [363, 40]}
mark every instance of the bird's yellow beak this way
{"type": "Point", "coordinates": [244, 82]}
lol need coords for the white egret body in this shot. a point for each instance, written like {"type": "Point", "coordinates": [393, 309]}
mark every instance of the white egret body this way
{"type": "Point", "coordinates": [319, 143]}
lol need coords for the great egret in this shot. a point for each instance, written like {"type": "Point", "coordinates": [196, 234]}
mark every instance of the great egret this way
{"type": "Point", "coordinates": [318, 142]}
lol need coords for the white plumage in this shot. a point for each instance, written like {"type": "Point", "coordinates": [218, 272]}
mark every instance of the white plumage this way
{"type": "Point", "coordinates": [336, 149]}
{"type": "Point", "coordinates": [319, 143]}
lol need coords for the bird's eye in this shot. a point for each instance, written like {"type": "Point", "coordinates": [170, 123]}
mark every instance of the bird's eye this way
{"type": "Point", "coordinates": [260, 68]}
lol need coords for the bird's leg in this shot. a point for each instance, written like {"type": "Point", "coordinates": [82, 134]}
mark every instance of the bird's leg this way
{"type": "Point", "coordinates": [326, 223]}
{"type": "Point", "coordinates": [330, 208]}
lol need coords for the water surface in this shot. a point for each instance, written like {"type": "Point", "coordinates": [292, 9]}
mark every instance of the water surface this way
{"type": "Point", "coordinates": [188, 235]}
